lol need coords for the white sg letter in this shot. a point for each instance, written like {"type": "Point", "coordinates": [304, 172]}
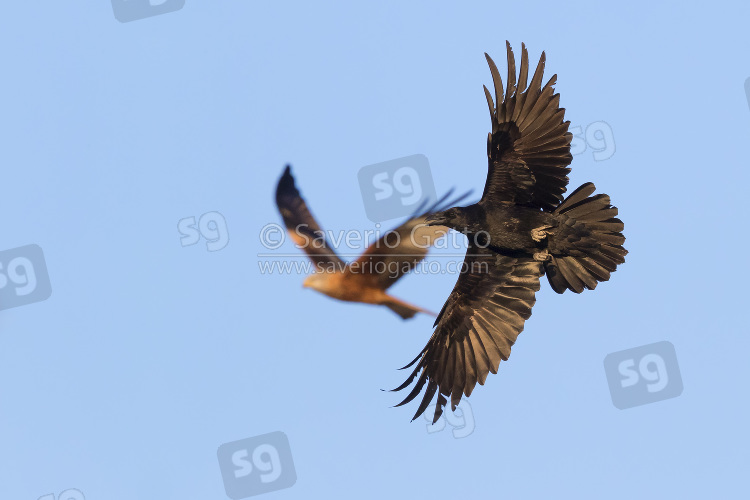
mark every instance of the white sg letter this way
{"type": "Point", "coordinates": [239, 458]}
{"type": "Point", "coordinates": [380, 182]}
{"type": "Point", "coordinates": [658, 376]}
{"type": "Point", "coordinates": [273, 466]}
{"type": "Point", "coordinates": [626, 370]}
{"type": "Point", "coordinates": [190, 234]}
{"type": "Point", "coordinates": [27, 279]}
{"type": "Point", "coordinates": [413, 189]}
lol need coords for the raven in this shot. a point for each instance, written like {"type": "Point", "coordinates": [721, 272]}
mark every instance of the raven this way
{"type": "Point", "coordinates": [366, 279]}
{"type": "Point", "coordinates": [521, 229]}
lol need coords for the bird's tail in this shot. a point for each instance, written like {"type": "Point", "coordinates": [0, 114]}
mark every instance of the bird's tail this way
{"type": "Point", "coordinates": [404, 309]}
{"type": "Point", "coordinates": [587, 244]}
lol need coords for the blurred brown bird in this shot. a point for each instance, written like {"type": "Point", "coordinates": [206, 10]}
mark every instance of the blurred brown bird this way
{"type": "Point", "coordinates": [382, 264]}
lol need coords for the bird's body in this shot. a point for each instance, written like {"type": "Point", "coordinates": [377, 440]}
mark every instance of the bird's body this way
{"type": "Point", "coordinates": [521, 229]}
{"type": "Point", "coordinates": [504, 227]}
{"type": "Point", "coordinates": [343, 285]}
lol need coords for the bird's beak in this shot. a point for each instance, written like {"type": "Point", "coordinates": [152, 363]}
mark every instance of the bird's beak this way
{"type": "Point", "coordinates": [436, 219]}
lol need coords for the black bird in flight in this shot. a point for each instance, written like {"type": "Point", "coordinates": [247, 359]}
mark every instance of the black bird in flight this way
{"type": "Point", "coordinates": [384, 261]}
{"type": "Point", "coordinates": [521, 229]}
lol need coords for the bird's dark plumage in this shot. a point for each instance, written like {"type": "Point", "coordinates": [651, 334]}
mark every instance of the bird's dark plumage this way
{"type": "Point", "coordinates": [521, 229]}
{"type": "Point", "coordinates": [529, 146]}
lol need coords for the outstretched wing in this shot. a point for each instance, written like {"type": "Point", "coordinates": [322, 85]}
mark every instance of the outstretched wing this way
{"type": "Point", "coordinates": [529, 147]}
{"type": "Point", "coordinates": [301, 225]}
{"type": "Point", "coordinates": [476, 328]}
{"type": "Point", "coordinates": [399, 251]}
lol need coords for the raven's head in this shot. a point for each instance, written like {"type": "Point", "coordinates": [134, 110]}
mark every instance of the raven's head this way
{"type": "Point", "coordinates": [459, 218]}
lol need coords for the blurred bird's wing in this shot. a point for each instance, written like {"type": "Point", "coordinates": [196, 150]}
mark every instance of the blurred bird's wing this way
{"type": "Point", "coordinates": [301, 225]}
{"type": "Point", "coordinates": [529, 147]}
{"type": "Point", "coordinates": [476, 328]}
{"type": "Point", "coordinates": [399, 251]}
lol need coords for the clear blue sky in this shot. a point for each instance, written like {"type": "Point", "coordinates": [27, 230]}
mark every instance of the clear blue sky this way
{"type": "Point", "coordinates": [149, 355]}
